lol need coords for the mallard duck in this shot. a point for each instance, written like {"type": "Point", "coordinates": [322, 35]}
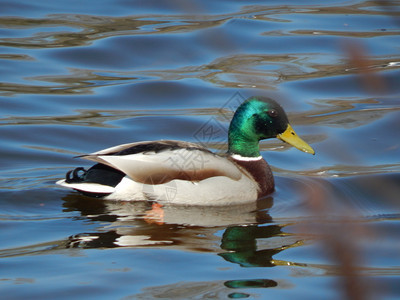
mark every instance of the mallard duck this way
{"type": "Point", "coordinates": [169, 171]}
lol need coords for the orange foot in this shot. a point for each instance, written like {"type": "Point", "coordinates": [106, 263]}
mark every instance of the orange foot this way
{"type": "Point", "coordinates": [155, 215]}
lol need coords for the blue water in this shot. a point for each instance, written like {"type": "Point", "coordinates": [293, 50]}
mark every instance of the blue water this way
{"type": "Point", "coordinates": [79, 76]}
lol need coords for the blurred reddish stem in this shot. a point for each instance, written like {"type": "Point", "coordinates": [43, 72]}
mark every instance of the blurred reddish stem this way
{"type": "Point", "coordinates": [370, 80]}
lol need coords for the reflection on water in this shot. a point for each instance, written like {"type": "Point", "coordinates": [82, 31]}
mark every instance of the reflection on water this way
{"type": "Point", "coordinates": [249, 70]}
{"type": "Point", "coordinates": [79, 77]}
{"type": "Point", "coordinates": [139, 224]}
{"type": "Point", "coordinates": [241, 245]}
{"type": "Point", "coordinates": [189, 229]}
{"type": "Point", "coordinates": [214, 289]}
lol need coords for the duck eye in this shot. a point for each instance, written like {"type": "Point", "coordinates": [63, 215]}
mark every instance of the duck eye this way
{"type": "Point", "coordinates": [272, 113]}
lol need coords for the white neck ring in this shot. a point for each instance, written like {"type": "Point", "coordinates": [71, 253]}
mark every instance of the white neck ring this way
{"type": "Point", "coordinates": [244, 158]}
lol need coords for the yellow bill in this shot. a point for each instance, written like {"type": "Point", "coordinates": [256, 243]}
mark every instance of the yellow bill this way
{"type": "Point", "coordinates": [290, 137]}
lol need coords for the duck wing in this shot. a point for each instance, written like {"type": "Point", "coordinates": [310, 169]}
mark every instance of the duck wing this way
{"type": "Point", "coordinates": [157, 162]}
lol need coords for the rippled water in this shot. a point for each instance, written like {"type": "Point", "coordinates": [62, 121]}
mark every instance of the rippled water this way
{"type": "Point", "coordinates": [79, 76]}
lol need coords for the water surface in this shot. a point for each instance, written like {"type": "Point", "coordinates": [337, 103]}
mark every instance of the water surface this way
{"type": "Point", "coordinates": [77, 77]}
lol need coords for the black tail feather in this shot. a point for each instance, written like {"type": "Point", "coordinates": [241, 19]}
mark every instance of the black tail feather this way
{"type": "Point", "coordinates": [76, 177]}
{"type": "Point", "coordinates": [98, 173]}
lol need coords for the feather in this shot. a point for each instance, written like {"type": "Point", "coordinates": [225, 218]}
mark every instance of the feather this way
{"type": "Point", "coordinates": [163, 161]}
{"type": "Point", "coordinates": [94, 188]}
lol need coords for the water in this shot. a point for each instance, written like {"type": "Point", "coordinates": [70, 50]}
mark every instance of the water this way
{"type": "Point", "coordinates": [77, 77]}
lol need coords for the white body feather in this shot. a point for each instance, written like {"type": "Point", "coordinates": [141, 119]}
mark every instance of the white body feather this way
{"type": "Point", "coordinates": [227, 184]}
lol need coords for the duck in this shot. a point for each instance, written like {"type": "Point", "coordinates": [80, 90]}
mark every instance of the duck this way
{"type": "Point", "coordinates": [186, 173]}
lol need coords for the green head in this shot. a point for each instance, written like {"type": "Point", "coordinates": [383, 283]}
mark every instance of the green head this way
{"type": "Point", "coordinates": [260, 118]}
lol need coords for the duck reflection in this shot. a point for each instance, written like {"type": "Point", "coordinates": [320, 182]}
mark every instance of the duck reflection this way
{"type": "Point", "coordinates": [203, 289]}
{"type": "Point", "coordinates": [240, 242]}
{"type": "Point", "coordinates": [247, 234]}
{"type": "Point", "coordinates": [146, 224]}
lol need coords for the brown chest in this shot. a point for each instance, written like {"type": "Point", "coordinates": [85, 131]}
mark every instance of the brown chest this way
{"type": "Point", "coordinates": [261, 173]}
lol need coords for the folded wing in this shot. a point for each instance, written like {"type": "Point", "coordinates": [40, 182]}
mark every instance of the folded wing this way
{"type": "Point", "coordinates": [163, 161]}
